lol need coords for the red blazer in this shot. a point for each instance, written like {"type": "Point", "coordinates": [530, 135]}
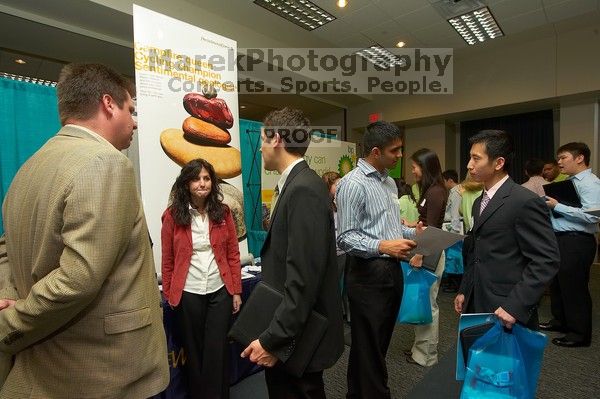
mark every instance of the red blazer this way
{"type": "Point", "coordinates": [177, 253]}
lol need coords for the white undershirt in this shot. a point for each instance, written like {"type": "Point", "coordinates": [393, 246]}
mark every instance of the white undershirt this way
{"type": "Point", "coordinates": [203, 277]}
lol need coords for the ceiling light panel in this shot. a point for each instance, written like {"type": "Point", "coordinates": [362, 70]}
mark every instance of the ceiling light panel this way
{"type": "Point", "coordinates": [476, 26]}
{"type": "Point", "coordinates": [303, 13]}
{"type": "Point", "coordinates": [380, 56]}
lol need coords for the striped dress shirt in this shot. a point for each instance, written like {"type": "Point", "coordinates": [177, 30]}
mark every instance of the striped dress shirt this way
{"type": "Point", "coordinates": [368, 211]}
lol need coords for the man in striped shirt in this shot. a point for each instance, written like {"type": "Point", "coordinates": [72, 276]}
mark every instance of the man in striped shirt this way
{"type": "Point", "coordinates": [374, 238]}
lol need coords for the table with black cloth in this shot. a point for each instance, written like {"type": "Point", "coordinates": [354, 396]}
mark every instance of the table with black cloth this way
{"type": "Point", "coordinates": [239, 368]}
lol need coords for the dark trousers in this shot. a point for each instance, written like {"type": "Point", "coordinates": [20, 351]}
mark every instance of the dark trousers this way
{"type": "Point", "coordinates": [282, 385]}
{"type": "Point", "coordinates": [375, 291]}
{"type": "Point", "coordinates": [204, 321]}
{"type": "Point", "coordinates": [570, 300]}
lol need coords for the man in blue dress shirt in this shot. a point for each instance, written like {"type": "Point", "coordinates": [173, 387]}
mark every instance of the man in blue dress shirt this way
{"type": "Point", "coordinates": [571, 302]}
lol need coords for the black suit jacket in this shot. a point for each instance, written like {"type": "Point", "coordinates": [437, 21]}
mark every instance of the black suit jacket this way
{"type": "Point", "coordinates": [510, 254]}
{"type": "Point", "coordinates": [299, 259]}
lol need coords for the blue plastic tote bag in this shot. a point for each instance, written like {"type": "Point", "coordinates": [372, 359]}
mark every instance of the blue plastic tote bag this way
{"type": "Point", "coordinates": [416, 306]}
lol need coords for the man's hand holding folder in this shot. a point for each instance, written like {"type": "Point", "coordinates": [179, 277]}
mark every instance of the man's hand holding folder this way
{"type": "Point", "coordinates": [257, 354]}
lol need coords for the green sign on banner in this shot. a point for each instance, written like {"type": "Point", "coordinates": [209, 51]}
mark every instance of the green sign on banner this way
{"type": "Point", "coordinates": [397, 171]}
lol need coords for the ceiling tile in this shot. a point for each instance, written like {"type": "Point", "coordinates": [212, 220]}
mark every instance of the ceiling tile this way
{"type": "Point", "coordinates": [430, 34]}
{"type": "Point", "coordinates": [511, 8]}
{"type": "Point", "coordinates": [331, 6]}
{"type": "Point", "coordinates": [570, 9]}
{"type": "Point", "coordinates": [523, 22]}
{"type": "Point", "coordinates": [548, 3]}
{"type": "Point", "coordinates": [454, 41]}
{"type": "Point", "coordinates": [397, 8]}
{"type": "Point", "coordinates": [420, 19]}
{"type": "Point", "coordinates": [384, 31]}
{"type": "Point", "coordinates": [355, 42]}
{"type": "Point", "coordinates": [365, 17]}
{"type": "Point", "coordinates": [337, 28]}
{"type": "Point", "coordinates": [409, 39]}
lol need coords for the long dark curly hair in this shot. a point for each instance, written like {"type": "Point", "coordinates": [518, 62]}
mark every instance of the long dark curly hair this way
{"type": "Point", "coordinates": [181, 197]}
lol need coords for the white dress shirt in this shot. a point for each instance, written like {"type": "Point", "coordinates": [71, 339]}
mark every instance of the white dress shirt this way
{"type": "Point", "coordinates": [203, 277]}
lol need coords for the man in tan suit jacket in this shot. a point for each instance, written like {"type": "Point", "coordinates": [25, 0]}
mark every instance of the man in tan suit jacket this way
{"type": "Point", "coordinates": [81, 303]}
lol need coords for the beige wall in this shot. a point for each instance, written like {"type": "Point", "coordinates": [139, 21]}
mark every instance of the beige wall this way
{"type": "Point", "coordinates": [579, 122]}
{"type": "Point", "coordinates": [513, 70]}
{"type": "Point", "coordinates": [333, 120]}
{"type": "Point", "coordinates": [428, 136]}
{"type": "Point", "coordinates": [548, 65]}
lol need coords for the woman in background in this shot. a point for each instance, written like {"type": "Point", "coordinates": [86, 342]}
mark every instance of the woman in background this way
{"type": "Point", "coordinates": [431, 205]}
{"type": "Point", "coordinates": [201, 275]}
{"type": "Point", "coordinates": [409, 214]}
{"type": "Point", "coordinates": [469, 190]}
{"type": "Point", "coordinates": [331, 179]}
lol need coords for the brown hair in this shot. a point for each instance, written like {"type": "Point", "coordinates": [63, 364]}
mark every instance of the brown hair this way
{"type": "Point", "coordinates": [81, 86]}
{"type": "Point", "coordinates": [181, 197]}
{"type": "Point", "coordinates": [293, 128]}
{"type": "Point", "coordinates": [329, 178]}
{"type": "Point", "coordinates": [471, 185]}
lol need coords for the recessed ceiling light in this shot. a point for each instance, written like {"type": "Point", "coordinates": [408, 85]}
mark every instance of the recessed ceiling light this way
{"type": "Point", "coordinates": [380, 56]}
{"type": "Point", "coordinates": [303, 13]}
{"type": "Point", "coordinates": [20, 61]}
{"type": "Point", "coordinates": [400, 44]}
{"type": "Point", "coordinates": [476, 26]}
{"type": "Point", "coordinates": [342, 3]}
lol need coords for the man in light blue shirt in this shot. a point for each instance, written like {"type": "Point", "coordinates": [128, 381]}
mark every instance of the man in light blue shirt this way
{"type": "Point", "coordinates": [371, 232]}
{"type": "Point", "coordinates": [571, 303]}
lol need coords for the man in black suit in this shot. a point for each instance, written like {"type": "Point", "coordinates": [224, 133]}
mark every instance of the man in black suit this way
{"type": "Point", "coordinates": [511, 252]}
{"type": "Point", "coordinates": [298, 259]}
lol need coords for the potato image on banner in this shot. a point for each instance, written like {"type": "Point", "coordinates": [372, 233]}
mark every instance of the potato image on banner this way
{"type": "Point", "coordinates": [208, 108]}
{"type": "Point", "coordinates": [234, 199]}
{"type": "Point", "coordinates": [205, 133]}
{"type": "Point", "coordinates": [226, 160]}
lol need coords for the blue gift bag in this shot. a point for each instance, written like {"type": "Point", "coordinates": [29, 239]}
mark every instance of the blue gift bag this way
{"type": "Point", "coordinates": [504, 364]}
{"type": "Point", "coordinates": [454, 259]}
{"type": "Point", "coordinates": [532, 345]}
{"type": "Point", "coordinates": [416, 306]}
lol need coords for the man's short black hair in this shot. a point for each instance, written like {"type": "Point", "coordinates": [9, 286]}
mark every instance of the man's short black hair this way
{"type": "Point", "coordinates": [380, 134]}
{"type": "Point", "coordinates": [534, 167]}
{"type": "Point", "coordinates": [450, 174]}
{"type": "Point", "coordinates": [497, 143]}
{"type": "Point", "coordinates": [576, 149]}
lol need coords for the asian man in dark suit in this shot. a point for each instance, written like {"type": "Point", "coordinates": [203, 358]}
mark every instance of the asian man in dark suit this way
{"type": "Point", "coordinates": [511, 252]}
{"type": "Point", "coordinates": [298, 259]}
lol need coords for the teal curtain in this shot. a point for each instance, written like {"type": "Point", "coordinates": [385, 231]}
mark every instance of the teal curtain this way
{"type": "Point", "coordinates": [28, 118]}
{"type": "Point", "coordinates": [251, 176]}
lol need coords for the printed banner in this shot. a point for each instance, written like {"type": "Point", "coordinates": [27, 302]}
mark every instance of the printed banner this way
{"type": "Point", "coordinates": [187, 109]}
{"type": "Point", "coordinates": [323, 155]}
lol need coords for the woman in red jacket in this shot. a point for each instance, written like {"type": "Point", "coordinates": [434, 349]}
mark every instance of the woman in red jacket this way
{"type": "Point", "coordinates": [201, 275]}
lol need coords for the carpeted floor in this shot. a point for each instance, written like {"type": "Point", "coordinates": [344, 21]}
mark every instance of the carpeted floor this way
{"type": "Point", "coordinates": [566, 373]}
